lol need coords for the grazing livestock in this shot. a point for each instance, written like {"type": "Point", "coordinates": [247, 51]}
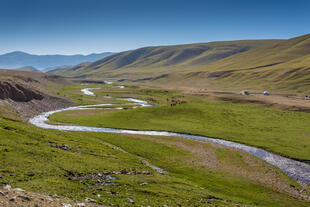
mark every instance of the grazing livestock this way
{"type": "Point", "coordinates": [175, 102]}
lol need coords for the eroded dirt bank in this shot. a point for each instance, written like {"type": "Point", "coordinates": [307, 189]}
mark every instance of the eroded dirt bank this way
{"type": "Point", "coordinates": [27, 94]}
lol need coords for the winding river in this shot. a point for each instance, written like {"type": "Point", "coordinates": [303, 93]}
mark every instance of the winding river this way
{"type": "Point", "coordinates": [295, 169]}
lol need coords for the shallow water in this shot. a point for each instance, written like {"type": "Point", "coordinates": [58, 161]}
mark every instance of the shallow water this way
{"type": "Point", "coordinates": [295, 169]}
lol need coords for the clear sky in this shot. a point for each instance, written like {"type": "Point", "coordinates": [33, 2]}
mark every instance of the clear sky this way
{"type": "Point", "coordinates": [93, 26]}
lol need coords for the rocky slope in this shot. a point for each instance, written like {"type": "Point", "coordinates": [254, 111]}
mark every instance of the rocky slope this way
{"type": "Point", "coordinates": [26, 93]}
{"type": "Point", "coordinates": [18, 92]}
{"type": "Point", "coordinates": [10, 197]}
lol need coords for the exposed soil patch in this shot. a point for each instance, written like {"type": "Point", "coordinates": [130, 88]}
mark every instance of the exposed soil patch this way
{"type": "Point", "coordinates": [28, 109]}
{"type": "Point", "coordinates": [27, 93]}
{"type": "Point", "coordinates": [17, 92]}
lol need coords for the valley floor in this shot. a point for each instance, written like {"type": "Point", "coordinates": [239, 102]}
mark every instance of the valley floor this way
{"type": "Point", "coordinates": [280, 101]}
{"type": "Point", "coordinates": [112, 169]}
{"type": "Point", "coordinates": [285, 101]}
{"type": "Point", "coordinates": [236, 118]}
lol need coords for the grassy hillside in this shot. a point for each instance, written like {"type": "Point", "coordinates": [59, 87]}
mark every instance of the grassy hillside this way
{"type": "Point", "coordinates": [155, 61]}
{"type": "Point", "coordinates": [277, 66]}
{"type": "Point", "coordinates": [269, 55]}
{"type": "Point", "coordinates": [284, 66]}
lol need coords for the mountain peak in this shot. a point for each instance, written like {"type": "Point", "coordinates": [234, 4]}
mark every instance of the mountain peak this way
{"type": "Point", "coordinates": [16, 53]}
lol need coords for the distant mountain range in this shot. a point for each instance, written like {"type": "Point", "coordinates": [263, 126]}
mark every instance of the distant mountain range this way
{"type": "Point", "coordinates": [28, 69]}
{"type": "Point", "coordinates": [19, 59]}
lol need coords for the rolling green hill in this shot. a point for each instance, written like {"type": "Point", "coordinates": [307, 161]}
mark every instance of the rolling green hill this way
{"type": "Point", "coordinates": [157, 61]}
{"type": "Point", "coordinates": [284, 66]}
{"type": "Point", "coordinates": [276, 65]}
{"type": "Point", "coordinates": [280, 67]}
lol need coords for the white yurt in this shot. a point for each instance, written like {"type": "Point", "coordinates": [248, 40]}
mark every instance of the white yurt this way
{"type": "Point", "coordinates": [266, 93]}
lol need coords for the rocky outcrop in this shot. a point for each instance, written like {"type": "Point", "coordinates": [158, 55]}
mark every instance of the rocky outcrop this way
{"type": "Point", "coordinates": [18, 92]}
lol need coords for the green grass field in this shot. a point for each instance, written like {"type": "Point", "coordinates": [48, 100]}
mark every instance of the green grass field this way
{"type": "Point", "coordinates": [199, 173]}
{"type": "Point", "coordinates": [28, 161]}
{"type": "Point", "coordinates": [283, 132]}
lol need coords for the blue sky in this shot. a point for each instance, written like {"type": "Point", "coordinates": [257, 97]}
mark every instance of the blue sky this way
{"type": "Point", "coordinates": [92, 26]}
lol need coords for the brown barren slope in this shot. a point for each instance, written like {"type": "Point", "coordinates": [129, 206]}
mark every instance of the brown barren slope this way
{"type": "Point", "coordinates": [30, 93]}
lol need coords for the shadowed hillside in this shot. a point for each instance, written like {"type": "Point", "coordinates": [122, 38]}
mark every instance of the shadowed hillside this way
{"type": "Point", "coordinates": [155, 61]}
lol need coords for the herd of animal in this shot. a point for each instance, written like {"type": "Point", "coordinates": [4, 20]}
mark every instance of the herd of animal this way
{"type": "Point", "coordinates": [176, 102]}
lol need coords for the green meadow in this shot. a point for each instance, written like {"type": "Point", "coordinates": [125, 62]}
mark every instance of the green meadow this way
{"type": "Point", "coordinates": [283, 132]}
{"type": "Point", "coordinates": [29, 161]}
{"type": "Point", "coordinates": [199, 173]}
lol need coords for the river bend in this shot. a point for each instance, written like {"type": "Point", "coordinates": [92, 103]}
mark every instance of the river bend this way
{"type": "Point", "coordinates": [295, 169]}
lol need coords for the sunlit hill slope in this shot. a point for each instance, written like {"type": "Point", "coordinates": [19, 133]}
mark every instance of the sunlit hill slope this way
{"type": "Point", "coordinates": [276, 65]}
{"type": "Point", "coordinates": [156, 61]}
